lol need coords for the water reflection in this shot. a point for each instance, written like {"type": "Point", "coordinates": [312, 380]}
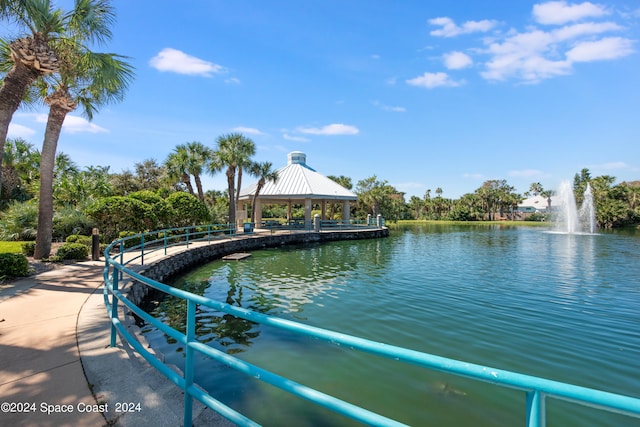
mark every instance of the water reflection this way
{"type": "Point", "coordinates": [301, 276]}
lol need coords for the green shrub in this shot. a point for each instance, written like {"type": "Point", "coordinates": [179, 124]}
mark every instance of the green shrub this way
{"type": "Point", "coordinates": [129, 243]}
{"type": "Point", "coordinates": [73, 251]}
{"type": "Point", "coordinates": [28, 248]}
{"type": "Point", "coordinates": [13, 265]}
{"type": "Point", "coordinates": [78, 238]}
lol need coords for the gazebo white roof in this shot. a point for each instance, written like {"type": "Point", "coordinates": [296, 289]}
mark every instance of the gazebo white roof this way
{"type": "Point", "coordinates": [297, 180]}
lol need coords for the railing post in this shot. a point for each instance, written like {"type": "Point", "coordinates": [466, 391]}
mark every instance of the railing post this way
{"type": "Point", "coordinates": [141, 248]}
{"type": "Point", "coordinates": [121, 257]}
{"type": "Point", "coordinates": [187, 236]}
{"type": "Point", "coordinates": [536, 414]}
{"type": "Point", "coordinates": [165, 241]}
{"type": "Point", "coordinates": [114, 304]}
{"type": "Point", "coordinates": [188, 363]}
{"type": "Point", "coordinates": [379, 221]}
{"type": "Point", "coordinates": [208, 233]}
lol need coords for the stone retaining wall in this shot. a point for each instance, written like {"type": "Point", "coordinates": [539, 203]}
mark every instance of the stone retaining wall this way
{"type": "Point", "coordinates": [172, 265]}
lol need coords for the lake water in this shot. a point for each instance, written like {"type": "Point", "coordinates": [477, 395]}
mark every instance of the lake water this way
{"type": "Point", "coordinates": [564, 307]}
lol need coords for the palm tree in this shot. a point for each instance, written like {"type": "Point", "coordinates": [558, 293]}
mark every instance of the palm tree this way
{"type": "Point", "coordinates": [265, 174]}
{"type": "Point", "coordinates": [86, 79]}
{"type": "Point", "coordinates": [234, 152]}
{"type": "Point", "coordinates": [177, 164]}
{"type": "Point", "coordinates": [35, 53]}
{"type": "Point", "coordinates": [199, 157]}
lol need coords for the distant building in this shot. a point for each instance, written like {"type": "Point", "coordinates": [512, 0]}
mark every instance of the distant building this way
{"type": "Point", "coordinates": [536, 204]}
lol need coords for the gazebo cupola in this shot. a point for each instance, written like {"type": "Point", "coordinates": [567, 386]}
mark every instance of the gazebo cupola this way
{"type": "Point", "coordinates": [298, 184]}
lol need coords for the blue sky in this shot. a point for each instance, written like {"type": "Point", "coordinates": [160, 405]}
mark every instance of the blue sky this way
{"type": "Point", "coordinates": [421, 94]}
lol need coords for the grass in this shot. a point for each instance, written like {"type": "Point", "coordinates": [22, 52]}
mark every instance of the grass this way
{"type": "Point", "coordinates": [11, 247]}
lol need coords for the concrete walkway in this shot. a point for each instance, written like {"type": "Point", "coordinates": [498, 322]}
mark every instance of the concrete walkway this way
{"type": "Point", "coordinates": [56, 365]}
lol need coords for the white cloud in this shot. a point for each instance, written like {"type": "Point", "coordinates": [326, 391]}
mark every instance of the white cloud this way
{"type": "Point", "coordinates": [536, 53]}
{"type": "Point", "coordinates": [457, 60]}
{"type": "Point", "coordinates": [250, 131]}
{"type": "Point", "coordinates": [232, 81]}
{"type": "Point", "coordinates": [559, 12]}
{"type": "Point", "coordinates": [432, 80]}
{"type": "Point", "coordinates": [389, 107]}
{"type": "Point", "coordinates": [450, 29]}
{"type": "Point", "coordinates": [176, 61]}
{"type": "Point", "coordinates": [332, 129]}
{"type": "Point", "coordinates": [588, 28]}
{"type": "Point", "coordinates": [19, 131]}
{"type": "Point", "coordinates": [604, 49]}
{"type": "Point", "coordinates": [295, 138]}
{"type": "Point", "coordinates": [72, 124]}
{"type": "Point", "coordinates": [77, 124]}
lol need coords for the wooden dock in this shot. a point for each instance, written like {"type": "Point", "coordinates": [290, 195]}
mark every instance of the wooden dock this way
{"type": "Point", "coordinates": [236, 257]}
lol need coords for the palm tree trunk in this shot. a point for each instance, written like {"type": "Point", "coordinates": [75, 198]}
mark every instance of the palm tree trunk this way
{"type": "Point", "coordinates": [186, 180]}
{"type": "Point", "coordinates": [231, 178]}
{"type": "Point", "coordinates": [12, 91]}
{"type": "Point", "coordinates": [47, 163]}
{"type": "Point", "coordinates": [253, 201]}
{"type": "Point", "coordinates": [239, 183]}
{"type": "Point", "coordinates": [199, 187]}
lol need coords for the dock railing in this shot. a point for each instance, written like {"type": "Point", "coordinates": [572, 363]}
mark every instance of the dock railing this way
{"type": "Point", "coordinates": [118, 267]}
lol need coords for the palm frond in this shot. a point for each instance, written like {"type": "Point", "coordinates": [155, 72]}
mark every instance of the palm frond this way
{"type": "Point", "coordinates": [91, 20]}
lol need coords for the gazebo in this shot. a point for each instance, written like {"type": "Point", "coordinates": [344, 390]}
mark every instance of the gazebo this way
{"type": "Point", "coordinates": [297, 184]}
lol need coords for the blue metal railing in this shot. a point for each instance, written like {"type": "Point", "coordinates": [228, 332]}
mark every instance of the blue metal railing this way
{"type": "Point", "coordinates": [536, 389]}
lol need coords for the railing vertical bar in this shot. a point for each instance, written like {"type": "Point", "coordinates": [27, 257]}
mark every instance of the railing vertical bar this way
{"type": "Point", "coordinates": [166, 233]}
{"type": "Point", "coordinates": [142, 249]}
{"type": "Point", "coordinates": [114, 305]}
{"type": "Point", "coordinates": [536, 413]}
{"type": "Point", "coordinates": [188, 363]}
{"type": "Point", "coordinates": [121, 257]}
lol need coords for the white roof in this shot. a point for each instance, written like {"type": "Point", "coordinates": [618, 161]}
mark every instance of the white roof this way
{"type": "Point", "coordinates": [298, 181]}
{"type": "Point", "coordinates": [538, 202]}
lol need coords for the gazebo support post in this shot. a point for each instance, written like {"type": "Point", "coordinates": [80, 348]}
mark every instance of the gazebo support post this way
{"type": "Point", "coordinates": [346, 211]}
{"type": "Point", "coordinates": [307, 211]}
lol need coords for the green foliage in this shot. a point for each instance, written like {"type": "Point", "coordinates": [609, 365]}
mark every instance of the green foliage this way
{"type": "Point", "coordinates": [187, 210]}
{"type": "Point", "coordinates": [118, 213]}
{"type": "Point", "coordinates": [378, 197]}
{"type": "Point", "coordinates": [78, 238]}
{"type": "Point", "coordinates": [160, 206]}
{"type": "Point", "coordinates": [19, 221]}
{"type": "Point", "coordinates": [72, 251]}
{"type": "Point", "coordinates": [13, 265]}
{"type": "Point", "coordinates": [537, 216]}
{"type": "Point", "coordinates": [68, 220]}
{"type": "Point", "coordinates": [129, 243]}
{"type": "Point", "coordinates": [28, 248]}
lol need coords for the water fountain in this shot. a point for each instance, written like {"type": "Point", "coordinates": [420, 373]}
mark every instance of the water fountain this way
{"type": "Point", "coordinates": [570, 219]}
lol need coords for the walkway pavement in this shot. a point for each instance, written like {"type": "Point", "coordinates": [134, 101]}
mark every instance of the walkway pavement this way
{"type": "Point", "coordinates": [56, 365]}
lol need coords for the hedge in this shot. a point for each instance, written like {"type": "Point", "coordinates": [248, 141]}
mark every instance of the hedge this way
{"type": "Point", "coordinates": [13, 265]}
